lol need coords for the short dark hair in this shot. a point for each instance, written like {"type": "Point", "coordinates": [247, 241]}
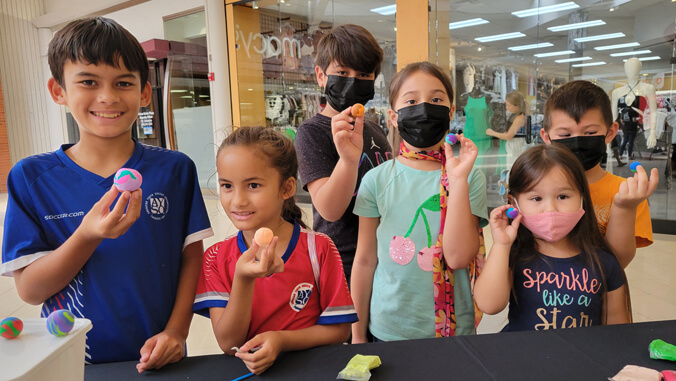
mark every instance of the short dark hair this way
{"type": "Point", "coordinates": [576, 98]}
{"type": "Point", "coordinates": [352, 46]}
{"type": "Point", "coordinates": [96, 40]}
{"type": "Point", "coordinates": [281, 155]}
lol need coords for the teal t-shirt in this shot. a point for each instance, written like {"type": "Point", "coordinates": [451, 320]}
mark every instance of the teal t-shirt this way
{"type": "Point", "coordinates": [402, 301]}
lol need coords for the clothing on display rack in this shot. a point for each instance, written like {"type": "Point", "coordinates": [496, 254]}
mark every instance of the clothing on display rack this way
{"type": "Point", "coordinates": [477, 119]}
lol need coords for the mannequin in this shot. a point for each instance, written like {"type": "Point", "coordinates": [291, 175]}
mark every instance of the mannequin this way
{"type": "Point", "coordinates": [633, 89]}
{"type": "Point", "coordinates": [468, 78]}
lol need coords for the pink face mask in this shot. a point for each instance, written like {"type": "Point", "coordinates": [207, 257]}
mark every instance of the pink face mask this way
{"type": "Point", "coordinates": [551, 226]}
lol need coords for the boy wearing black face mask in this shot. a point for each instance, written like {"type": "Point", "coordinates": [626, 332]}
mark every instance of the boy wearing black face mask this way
{"type": "Point", "coordinates": [335, 149]}
{"type": "Point", "coordinates": [578, 115]}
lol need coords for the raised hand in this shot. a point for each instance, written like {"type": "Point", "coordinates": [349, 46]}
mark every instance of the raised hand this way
{"type": "Point", "coordinates": [636, 189]}
{"type": "Point", "coordinates": [269, 263]}
{"type": "Point", "coordinates": [460, 167]}
{"type": "Point", "coordinates": [348, 137]}
{"type": "Point", "coordinates": [503, 233]}
{"type": "Point", "coordinates": [101, 222]}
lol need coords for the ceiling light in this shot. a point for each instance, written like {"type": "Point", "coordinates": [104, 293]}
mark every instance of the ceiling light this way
{"type": "Point", "coordinates": [599, 37]}
{"type": "Point", "coordinates": [653, 58]}
{"type": "Point", "coordinates": [466, 23]}
{"type": "Point", "coordinates": [178, 91]}
{"type": "Point", "coordinates": [386, 10]}
{"type": "Point", "coordinates": [548, 9]}
{"type": "Point", "coordinates": [531, 46]}
{"type": "Point", "coordinates": [254, 5]}
{"type": "Point", "coordinates": [551, 54]}
{"type": "Point", "coordinates": [573, 59]}
{"type": "Point", "coordinates": [478, 49]}
{"type": "Point", "coordinates": [578, 25]}
{"type": "Point", "coordinates": [498, 37]}
{"type": "Point", "coordinates": [618, 46]}
{"type": "Point", "coordinates": [589, 64]}
{"type": "Point", "coordinates": [611, 9]}
{"type": "Point", "coordinates": [630, 53]}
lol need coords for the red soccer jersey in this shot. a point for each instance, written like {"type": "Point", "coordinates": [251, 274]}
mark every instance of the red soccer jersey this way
{"type": "Point", "coordinates": [289, 300]}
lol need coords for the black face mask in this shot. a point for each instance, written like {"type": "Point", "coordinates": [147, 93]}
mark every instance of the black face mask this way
{"type": "Point", "coordinates": [344, 92]}
{"type": "Point", "coordinates": [589, 150]}
{"type": "Point", "coordinates": [423, 125]}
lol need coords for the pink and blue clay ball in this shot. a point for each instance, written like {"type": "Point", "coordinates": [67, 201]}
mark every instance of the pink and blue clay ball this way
{"type": "Point", "coordinates": [634, 165]}
{"type": "Point", "coordinates": [512, 213]}
{"type": "Point", "coordinates": [127, 179]}
{"type": "Point", "coordinates": [60, 322]}
{"type": "Point", "coordinates": [11, 327]}
{"type": "Point", "coordinates": [451, 139]}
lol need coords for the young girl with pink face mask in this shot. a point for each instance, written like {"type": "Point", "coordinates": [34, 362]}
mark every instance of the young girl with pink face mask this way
{"type": "Point", "coordinates": [551, 263]}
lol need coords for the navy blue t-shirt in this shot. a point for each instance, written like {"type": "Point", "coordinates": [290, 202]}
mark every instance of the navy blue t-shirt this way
{"type": "Point", "coordinates": [553, 293]}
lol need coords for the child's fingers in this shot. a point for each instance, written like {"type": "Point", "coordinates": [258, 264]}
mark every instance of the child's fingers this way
{"type": "Point", "coordinates": [106, 200]}
{"type": "Point", "coordinates": [654, 181]}
{"type": "Point", "coordinates": [448, 151]}
{"type": "Point", "coordinates": [359, 125]}
{"type": "Point", "coordinates": [121, 204]}
{"type": "Point", "coordinates": [516, 221]}
{"type": "Point", "coordinates": [133, 210]}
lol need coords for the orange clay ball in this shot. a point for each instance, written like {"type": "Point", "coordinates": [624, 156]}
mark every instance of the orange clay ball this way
{"type": "Point", "coordinates": [357, 110]}
{"type": "Point", "coordinates": [263, 236]}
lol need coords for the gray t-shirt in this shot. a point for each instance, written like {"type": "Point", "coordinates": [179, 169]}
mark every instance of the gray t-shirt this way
{"type": "Point", "coordinates": [317, 157]}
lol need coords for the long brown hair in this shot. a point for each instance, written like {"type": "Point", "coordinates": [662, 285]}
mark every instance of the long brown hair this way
{"type": "Point", "coordinates": [281, 155]}
{"type": "Point", "coordinates": [526, 173]}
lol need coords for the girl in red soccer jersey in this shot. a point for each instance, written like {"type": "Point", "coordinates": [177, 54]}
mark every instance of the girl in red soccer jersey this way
{"type": "Point", "coordinates": [288, 295]}
{"type": "Point", "coordinates": [551, 263]}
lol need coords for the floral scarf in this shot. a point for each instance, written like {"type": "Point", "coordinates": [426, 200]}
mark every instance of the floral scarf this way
{"type": "Point", "coordinates": [444, 308]}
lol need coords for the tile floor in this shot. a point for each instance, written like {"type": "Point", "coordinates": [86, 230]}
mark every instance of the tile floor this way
{"type": "Point", "coordinates": [650, 276]}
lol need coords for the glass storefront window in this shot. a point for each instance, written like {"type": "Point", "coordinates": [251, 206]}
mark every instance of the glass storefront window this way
{"type": "Point", "coordinates": [535, 47]}
{"type": "Point", "coordinates": [275, 71]}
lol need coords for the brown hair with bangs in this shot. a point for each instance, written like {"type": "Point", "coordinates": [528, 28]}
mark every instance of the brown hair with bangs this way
{"type": "Point", "coordinates": [527, 171]}
{"type": "Point", "coordinates": [96, 40]}
{"type": "Point", "coordinates": [281, 155]}
{"type": "Point", "coordinates": [352, 46]}
{"type": "Point", "coordinates": [401, 76]}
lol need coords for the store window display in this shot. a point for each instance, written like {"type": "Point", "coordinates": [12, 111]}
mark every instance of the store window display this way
{"type": "Point", "coordinates": [626, 105]}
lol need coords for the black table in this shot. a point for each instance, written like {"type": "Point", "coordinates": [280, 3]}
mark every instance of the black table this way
{"type": "Point", "coordinates": [593, 353]}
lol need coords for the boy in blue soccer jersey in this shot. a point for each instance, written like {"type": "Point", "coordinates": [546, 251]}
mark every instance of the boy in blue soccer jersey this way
{"type": "Point", "coordinates": [130, 266]}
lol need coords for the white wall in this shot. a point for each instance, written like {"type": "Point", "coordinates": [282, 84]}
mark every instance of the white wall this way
{"type": "Point", "coordinates": [23, 82]}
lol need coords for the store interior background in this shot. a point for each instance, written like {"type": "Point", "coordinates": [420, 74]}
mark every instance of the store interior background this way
{"type": "Point", "coordinates": [191, 112]}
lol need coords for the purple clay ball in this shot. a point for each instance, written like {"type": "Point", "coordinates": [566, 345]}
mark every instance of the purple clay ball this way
{"type": "Point", "coordinates": [634, 165]}
{"type": "Point", "coordinates": [512, 213]}
{"type": "Point", "coordinates": [127, 179]}
{"type": "Point", "coordinates": [451, 139]}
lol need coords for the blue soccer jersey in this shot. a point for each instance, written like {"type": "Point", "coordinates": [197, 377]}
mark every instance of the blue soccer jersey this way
{"type": "Point", "coordinates": [128, 286]}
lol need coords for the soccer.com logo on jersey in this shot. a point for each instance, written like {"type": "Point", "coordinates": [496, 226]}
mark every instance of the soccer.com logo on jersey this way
{"type": "Point", "coordinates": [64, 215]}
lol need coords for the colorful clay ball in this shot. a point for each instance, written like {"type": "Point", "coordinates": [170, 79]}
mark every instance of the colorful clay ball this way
{"type": "Point", "coordinates": [357, 110]}
{"type": "Point", "coordinates": [11, 327]}
{"type": "Point", "coordinates": [634, 165]}
{"type": "Point", "coordinates": [512, 213]}
{"type": "Point", "coordinates": [127, 179]}
{"type": "Point", "coordinates": [451, 139]}
{"type": "Point", "coordinates": [60, 322]}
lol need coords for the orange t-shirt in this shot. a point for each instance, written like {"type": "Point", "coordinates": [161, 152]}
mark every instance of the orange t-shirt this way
{"type": "Point", "coordinates": [602, 194]}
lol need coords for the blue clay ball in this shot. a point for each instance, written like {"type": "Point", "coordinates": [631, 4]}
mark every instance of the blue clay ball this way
{"type": "Point", "coordinates": [512, 213]}
{"type": "Point", "coordinates": [634, 165]}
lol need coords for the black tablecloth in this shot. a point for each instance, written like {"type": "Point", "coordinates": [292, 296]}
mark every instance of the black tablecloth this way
{"type": "Point", "coordinates": [593, 353]}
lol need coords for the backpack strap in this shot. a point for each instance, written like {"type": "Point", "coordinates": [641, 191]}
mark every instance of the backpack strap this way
{"type": "Point", "coordinates": [312, 250]}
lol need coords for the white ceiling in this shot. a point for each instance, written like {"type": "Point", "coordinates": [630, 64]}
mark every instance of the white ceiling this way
{"type": "Point", "coordinates": [649, 22]}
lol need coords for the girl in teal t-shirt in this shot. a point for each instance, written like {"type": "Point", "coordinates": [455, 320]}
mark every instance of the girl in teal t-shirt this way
{"type": "Point", "coordinates": [402, 210]}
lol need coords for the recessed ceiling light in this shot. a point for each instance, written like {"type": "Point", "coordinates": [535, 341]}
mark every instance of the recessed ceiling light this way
{"type": "Point", "coordinates": [547, 9]}
{"type": "Point", "coordinates": [589, 64]}
{"type": "Point", "coordinates": [531, 46]}
{"type": "Point", "coordinates": [637, 52]}
{"type": "Point", "coordinates": [478, 49]}
{"type": "Point", "coordinates": [386, 10]}
{"type": "Point", "coordinates": [618, 46]}
{"type": "Point", "coordinates": [551, 54]}
{"type": "Point", "coordinates": [653, 58]}
{"type": "Point", "coordinates": [467, 23]}
{"type": "Point", "coordinates": [498, 37]}
{"type": "Point", "coordinates": [573, 59]}
{"type": "Point", "coordinates": [578, 25]}
{"type": "Point", "coordinates": [599, 37]}
{"type": "Point", "coordinates": [179, 91]}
